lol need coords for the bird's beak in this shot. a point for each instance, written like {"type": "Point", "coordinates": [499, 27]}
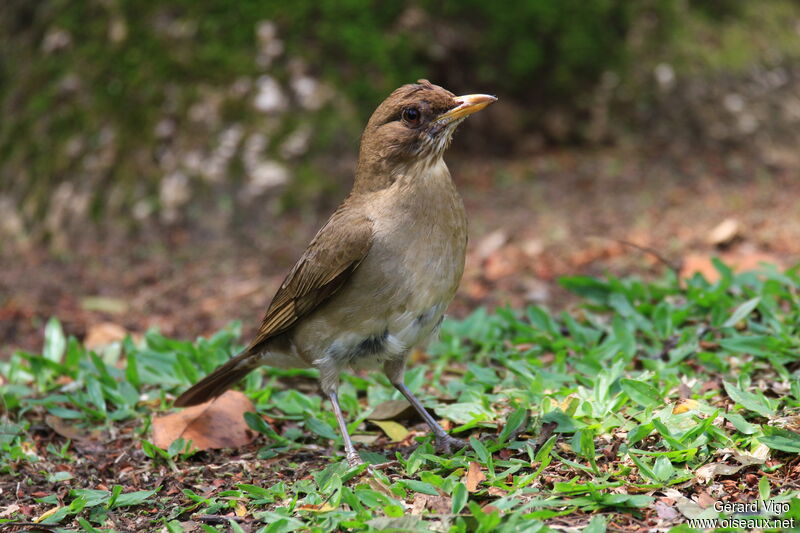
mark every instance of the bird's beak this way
{"type": "Point", "coordinates": [467, 105]}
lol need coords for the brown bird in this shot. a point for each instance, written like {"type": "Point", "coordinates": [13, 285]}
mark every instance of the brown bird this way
{"type": "Point", "coordinates": [376, 279]}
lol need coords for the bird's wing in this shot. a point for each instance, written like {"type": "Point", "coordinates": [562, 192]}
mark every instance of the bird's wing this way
{"type": "Point", "coordinates": [330, 259]}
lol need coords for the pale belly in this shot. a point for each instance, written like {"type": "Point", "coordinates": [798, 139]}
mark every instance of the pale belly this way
{"type": "Point", "coordinates": [387, 308]}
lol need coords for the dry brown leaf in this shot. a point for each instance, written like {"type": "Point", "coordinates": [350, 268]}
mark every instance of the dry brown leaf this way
{"type": "Point", "coordinates": [709, 471]}
{"type": "Point", "coordinates": [688, 508]}
{"type": "Point", "coordinates": [759, 456]}
{"type": "Point", "coordinates": [724, 232]}
{"type": "Point", "coordinates": [491, 243]}
{"type": "Point", "coordinates": [441, 505]}
{"type": "Point", "coordinates": [666, 512]}
{"type": "Point", "coordinates": [474, 476]}
{"type": "Point", "coordinates": [499, 265]}
{"type": "Point", "coordinates": [317, 508]}
{"type": "Point", "coordinates": [103, 334]}
{"type": "Point", "coordinates": [211, 425]}
{"type": "Point", "coordinates": [364, 439]}
{"type": "Point", "coordinates": [10, 510]}
{"type": "Point", "coordinates": [419, 504]}
{"type": "Point", "coordinates": [69, 431]}
{"type": "Point", "coordinates": [741, 261]}
{"type": "Point", "coordinates": [706, 500]}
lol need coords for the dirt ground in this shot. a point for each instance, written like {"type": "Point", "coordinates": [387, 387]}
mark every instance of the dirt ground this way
{"type": "Point", "coordinates": [532, 221]}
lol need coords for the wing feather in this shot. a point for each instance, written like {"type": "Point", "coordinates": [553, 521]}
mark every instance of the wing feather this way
{"type": "Point", "coordinates": [330, 259]}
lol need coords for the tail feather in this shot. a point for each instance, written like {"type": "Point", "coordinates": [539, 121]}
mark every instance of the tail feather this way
{"type": "Point", "coordinates": [219, 380]}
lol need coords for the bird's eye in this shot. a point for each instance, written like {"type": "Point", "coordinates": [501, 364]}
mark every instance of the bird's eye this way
{"type": "Point", "coordinates": [411, 116]}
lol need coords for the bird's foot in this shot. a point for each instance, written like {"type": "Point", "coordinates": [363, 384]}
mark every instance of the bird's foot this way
{"type": "Point", "coordinates": [448, 444]}
{"type": "Point", "coordinates": [353, 459]}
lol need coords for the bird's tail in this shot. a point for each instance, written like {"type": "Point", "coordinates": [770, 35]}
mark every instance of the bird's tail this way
{"type": "Point", "coordinates": [219, 380]}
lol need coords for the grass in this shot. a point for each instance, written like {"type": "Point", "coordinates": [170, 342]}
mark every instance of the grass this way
{"type": "Point", "coordinates": [635, 411]}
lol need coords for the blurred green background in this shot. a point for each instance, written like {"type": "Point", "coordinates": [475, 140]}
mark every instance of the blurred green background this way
{"type": "Point", "coordinates": [119, 113]}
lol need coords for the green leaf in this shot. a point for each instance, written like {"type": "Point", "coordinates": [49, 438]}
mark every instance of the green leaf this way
{"type": "Point", "coordinates": [763, 488]}
{"type": "Point", "coordinates": [421, 486]}
{"type": "Point", "coordinates": [780, 439]}
{"type": "Point", "coordinates": [749, 401]}
{"type": "Point", "coordinates": [741, 425]}
{"type": "Point", "coordinates": [752, 344]}
{"type": "Point", "coordinates": [640, 392]}
{"type": "Point", "coordinates": [741, 312]}
{"type": "Point", "coordinates": [256, 423]}
{"type": "Point", "coordinates": [134, 498]}
{"type": "Point", "coordinates": [596, 525]}
{"type": "Point", "coordinates": [321, 428]}
{"type": "Point", "coordinates": [463, 413]}
{"type": "Point", "coordinates": [513, 423]}
{"type": "Point", "coordinates": [460, 496]}
{"type": "Point", "coordinates": [480, 450]}
{"type": "Point", "coordinates": [116, 490]}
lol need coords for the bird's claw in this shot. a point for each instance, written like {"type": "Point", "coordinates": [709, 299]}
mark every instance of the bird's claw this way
{"type": "Point", "coordinates": [448, 444]}
{"type": "Point", "coordinates": [353, 459]}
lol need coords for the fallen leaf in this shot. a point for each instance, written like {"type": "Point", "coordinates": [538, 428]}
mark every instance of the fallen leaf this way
{"type": "Point", "coordinates": [666, 512]}
{"type": "Point", "coordinates": [317, 508]}
{"type": "Point", "coordinates": [740, 261]}
{"type": "Point", "coordinates": [709, 471]}
{"type": "Point", "coordinates": [491, 243]}
{"type": "Point", "coordinates": [364, 439]}
{"type": "Point", "coordinates": [699, 264]}
{"type": "Point", "coordinates": [474, 476]}
{"type": "Point", "coordinates": [104, 304]}
{"type": "Point", "coordinates": [391, 410]}
{"type": "Point", "coordinates": [532, 248]}
{"type": "Point", "coordinates": [211, 425]}
{"type": "Point", "coordinates": [8, 511]}
{"type": "Point", "coordinates": [441, 505]}
{"type": "Point", "coordinates": [103, 334]}
{"type": "Point", "coordinates": [687, 507]}
{"type": "Point", "coordinates": [46, 514]}
{"type": "Point", "coordinates": [419, 504]}
{"type": "Point", "coordinates": [724, 232]}
{"type": "Point", "coordinates": [756, 457]}
{"type": "Point", "coordinates": [499, 265]}
{"type": "Point", "coordinates": [396, 432]}
{"type": "Point", "coordinates": [705, 500]}
{"type": "Point", "coordinates": [377, 485]}
{"type": "Point", "coordinates": [67, 430]}
{"type": "Point", "coordinates": [684, 406]}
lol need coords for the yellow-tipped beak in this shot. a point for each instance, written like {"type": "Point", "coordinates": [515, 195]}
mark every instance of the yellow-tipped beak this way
{"type": "Point", "coordinates": [467, 105]}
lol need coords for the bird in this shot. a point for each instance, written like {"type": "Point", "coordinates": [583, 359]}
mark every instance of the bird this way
{"type": "Point", "coordinates": [376, 279]}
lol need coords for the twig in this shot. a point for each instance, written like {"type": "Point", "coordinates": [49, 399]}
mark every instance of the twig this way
{"type": "Point", "coordinates": [217, 519]}
{"type": "Point", "coordinates": [675, 267]}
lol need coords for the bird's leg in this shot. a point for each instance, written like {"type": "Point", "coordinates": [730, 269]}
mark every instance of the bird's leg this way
{"type": "Point", "coordinates": [352, 456]}
{"type": "Point", "coordinates": [444, 442]}
{"type": "Point", "coordinates": [394, 370]}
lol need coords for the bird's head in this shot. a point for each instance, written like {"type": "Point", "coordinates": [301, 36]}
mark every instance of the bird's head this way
{"type": "Point", "coordinates": [414, 125]}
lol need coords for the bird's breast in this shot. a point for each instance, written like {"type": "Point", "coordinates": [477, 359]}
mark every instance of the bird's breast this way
{"type": "Point", "coordinates": [397, 296]}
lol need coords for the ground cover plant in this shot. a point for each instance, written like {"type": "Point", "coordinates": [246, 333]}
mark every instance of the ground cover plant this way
{"type": "Point", "coordinates": [639, 409]}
